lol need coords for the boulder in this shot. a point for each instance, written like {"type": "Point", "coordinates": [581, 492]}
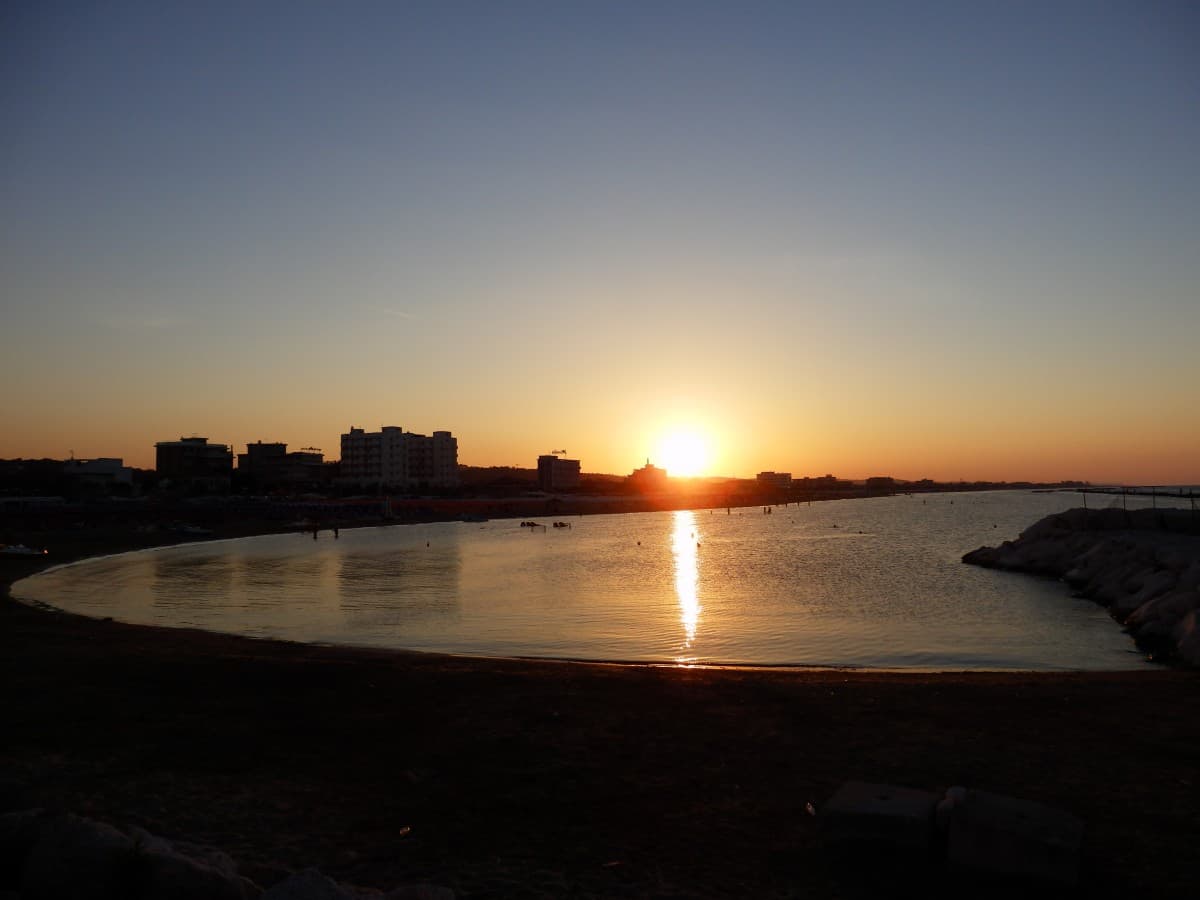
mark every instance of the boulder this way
{"type": "Point", "coordinates": [420, 892]}
{"type": "Point", "coordinates": [309, 884]}
{"type": "Point", "coordinates": [1164, 610]}
{"type": "Point", "coordinates": [1190, 576]}
{"type": "Point", "coordinates": [312, 884]}
{"type": "Point", "coordinates": [18, 835]}
{"type": "Point", "coordinates": [1152, 586]}
{"type": "Point", "coordinates": [1104, 556]}
{"type": "Point", "coordinates": [184, 871]}
{"type": "Point", "coordinates": [1115, 586]}
{"type": "Point", "coordinates": [1187, 638]}
{"type": "Point", "coordinates": [1013, 838]}
{"type": "Point", "coordinates": [1172, 557]}
{"type": "Point", "coordinates": [862, 812]}
{"type": "Point", "coordinates": [981, 556]}
{"type": "Point", "coordinates": [78, 858]}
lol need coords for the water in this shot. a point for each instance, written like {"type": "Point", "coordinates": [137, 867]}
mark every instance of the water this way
{"type": "Point", "coordinates": [874, 583]}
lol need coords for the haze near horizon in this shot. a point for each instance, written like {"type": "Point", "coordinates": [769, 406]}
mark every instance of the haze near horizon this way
{"type": "Point", "coordinates": [926, 240]}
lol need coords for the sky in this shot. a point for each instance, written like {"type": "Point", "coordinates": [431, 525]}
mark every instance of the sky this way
{"type": "Point", "coordinates": [949, 240]}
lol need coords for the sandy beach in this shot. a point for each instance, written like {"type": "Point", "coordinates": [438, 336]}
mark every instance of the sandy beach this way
{"type": "Point", "coordinates": [504, 778]}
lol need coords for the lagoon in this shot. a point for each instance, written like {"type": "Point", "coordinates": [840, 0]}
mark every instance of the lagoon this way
{"type": "Point", "coordinates": [872, 583]}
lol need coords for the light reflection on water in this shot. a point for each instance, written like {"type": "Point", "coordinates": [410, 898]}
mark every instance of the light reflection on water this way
{"type": "Point", "coordinates": [683, 548]}
{"type": "Point", "coordinates": [865, 582]}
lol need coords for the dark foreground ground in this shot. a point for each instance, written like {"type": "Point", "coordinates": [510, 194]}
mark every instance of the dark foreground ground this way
{"type": "Point", "coordinates": [521, 779]}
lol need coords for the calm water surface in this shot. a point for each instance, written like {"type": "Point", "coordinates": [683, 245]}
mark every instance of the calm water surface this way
{"type": "Point", "coordinates": [854, 582]}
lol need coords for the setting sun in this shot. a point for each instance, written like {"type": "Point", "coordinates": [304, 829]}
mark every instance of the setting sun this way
{"type": "Point", "coordinates": [684, 453]}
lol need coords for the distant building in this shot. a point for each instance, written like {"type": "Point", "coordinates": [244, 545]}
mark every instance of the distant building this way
{"type": "Point", "coordinates": [881, 483]}
{"type": "Point", "coordinates": [823, 483]}
{"type": "Point", "coordinates": [555, 474]}
{"type": "Point", "coordinates": [194, 462]}
{"type": "Point", "coordinates": [270, 465]}
{"type": "Point", "coordinates": [648, 479]}
{"type": "Point", "coordinates": [774, 481]}
{"type": "Point", "coordinates": [392, 457]}
{"type": "Point", "coordinates": [104, 472]}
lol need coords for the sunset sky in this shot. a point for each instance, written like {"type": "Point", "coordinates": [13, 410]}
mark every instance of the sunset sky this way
{"type": "Point", "coordinates": [947, 240]}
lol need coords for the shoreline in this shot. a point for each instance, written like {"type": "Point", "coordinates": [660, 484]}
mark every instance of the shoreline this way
{"type": "Point", "coordinates": [1142, 566]}
{"type": "Point", "coordinates": [536, 778]}
{"type": "Point", "coordinates": [118, 546]}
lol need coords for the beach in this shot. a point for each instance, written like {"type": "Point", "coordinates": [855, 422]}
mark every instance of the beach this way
{"type": "Point", "coordinates": [509, 778]}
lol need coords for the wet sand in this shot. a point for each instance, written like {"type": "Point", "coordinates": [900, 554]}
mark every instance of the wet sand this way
{"type": "Point", "coordinates": [504, 778]}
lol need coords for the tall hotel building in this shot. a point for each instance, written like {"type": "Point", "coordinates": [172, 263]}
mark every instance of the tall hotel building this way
{"type": "Point", "coordinates": [395, 458]}
{"type": "Point", "coordinates": [555, 474]}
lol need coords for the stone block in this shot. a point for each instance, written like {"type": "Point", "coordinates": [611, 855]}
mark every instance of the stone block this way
{"type": "Point", "coordinates": [1012, 837]}
{"type": "Point", "coordinates": [879, 813]}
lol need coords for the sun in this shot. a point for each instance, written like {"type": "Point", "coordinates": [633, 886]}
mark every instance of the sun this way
{"type": "Point", "coordinates": [683, 453]}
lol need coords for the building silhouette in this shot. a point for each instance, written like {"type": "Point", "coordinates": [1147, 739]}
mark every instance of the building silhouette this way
{"type": "Point", "coordinates": [103, 473]}
{"type": "Point", "coordinates": [774, 481]}
{"type": "Point", "coordinates": [557, 474]}
{"type": "Point", "coordinates": [271, 465]}
{"type": "Point", "coordinates": [194, 462]}
{"type": "Point", "coordinates": [399, 459]}
{"type": "Point", "coordinates": [648, 479]}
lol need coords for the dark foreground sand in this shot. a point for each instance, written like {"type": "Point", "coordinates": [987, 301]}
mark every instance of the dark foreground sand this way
{"type": "Point", "coordinates": [522, 779]}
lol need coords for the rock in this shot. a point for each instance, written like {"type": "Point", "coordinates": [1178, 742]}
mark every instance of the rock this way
{"type": "Point", "coordinates": [18, 834]}
{"type": "Point", "coordinates": [183, 871]}
{"type": "Point", "coordinates": [309, 884]}
{"type": "Point", "coordinates": [1014, 838]}
{"type": "Point", "coordinates": [1187, 638]}
{"type": "Point", "coordinates": [53, 856]}
{"type": "Point", "coordinates": [312, 884]}
{"type": "Point", "coordinates": [1104, 556]}
{"type": "Point", "coordinates": [77, 858]}
{"type": "Point", "coordinates": [420, 892]}
{"type": "Point", "coordinates": [1164, 610]}
{"type": "Point", "coordinates": [981, 556]}
{"type": "Point", "coordinates": [1111, 587]}
{"type": "Point", "coordinates": [945, 808]}
{"type": "Point", "coordinates": [1190, 576]}
{"type": "Point", "coordinates": [861, 812]}
{"type": "Point", "coordinates": [1152, 586]}
{"type": "Point", "coordinates": [1090, 562]}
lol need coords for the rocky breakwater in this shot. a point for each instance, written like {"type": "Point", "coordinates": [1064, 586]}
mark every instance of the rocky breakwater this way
{"type": "Point", "coordinates": [1143, 565]}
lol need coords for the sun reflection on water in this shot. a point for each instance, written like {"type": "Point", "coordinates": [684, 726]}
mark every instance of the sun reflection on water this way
{"type": "Point", "coordinates": [683, 550]}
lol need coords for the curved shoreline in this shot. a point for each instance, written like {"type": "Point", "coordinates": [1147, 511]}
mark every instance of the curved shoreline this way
{"type": "Point", "coordinates": [1143, 565]}
{"type": "Point", "coordinates": [897, 663]}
